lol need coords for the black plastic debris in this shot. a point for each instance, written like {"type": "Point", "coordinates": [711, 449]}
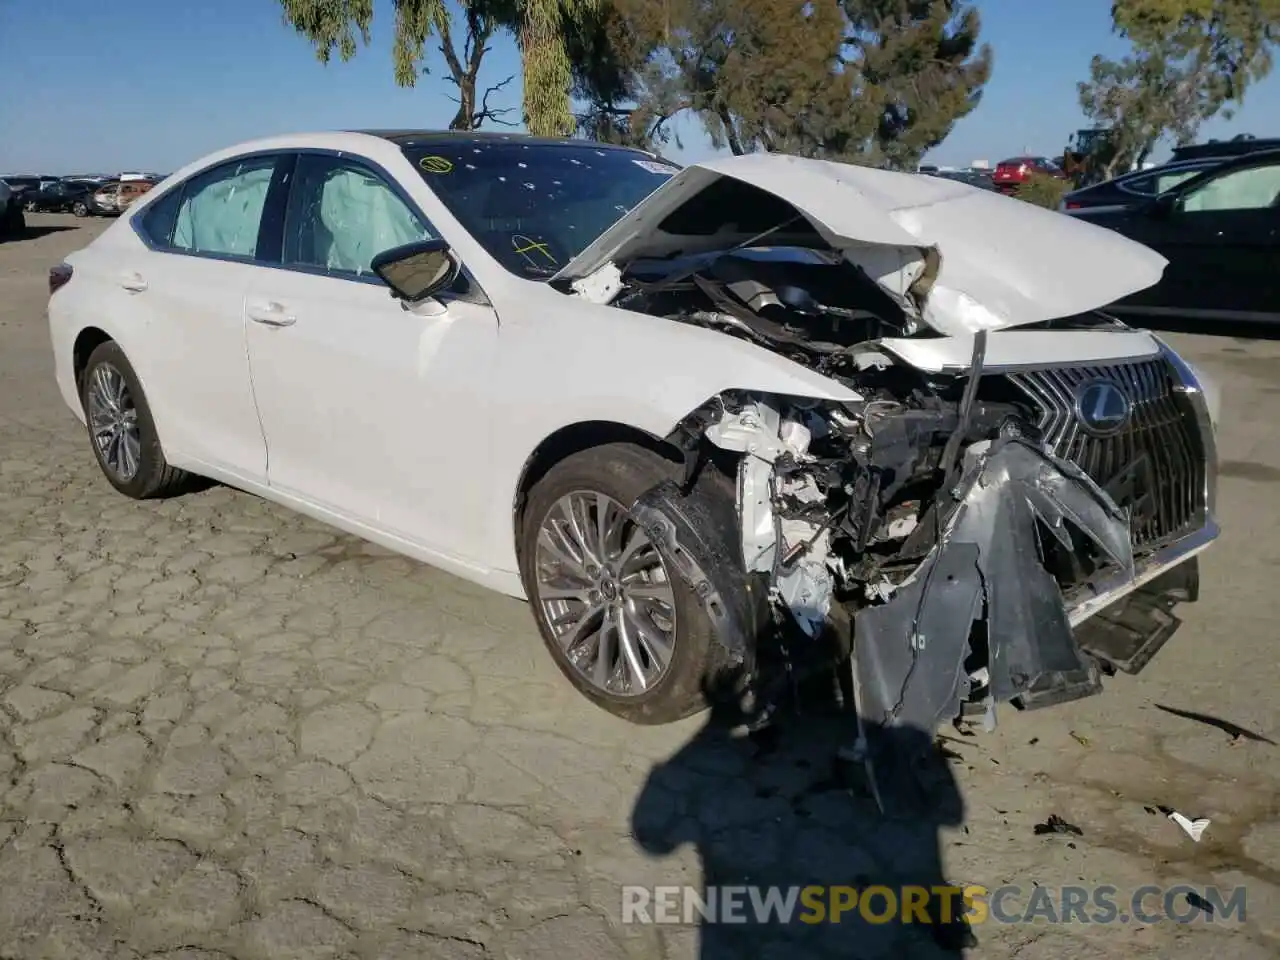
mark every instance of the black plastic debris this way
{"type": "Point", "coordinates": [1233, 730]}
{"type": "Point", "coordinates": [1199, 902]}
{"type": "Point", "coordinates": [1055, 824]}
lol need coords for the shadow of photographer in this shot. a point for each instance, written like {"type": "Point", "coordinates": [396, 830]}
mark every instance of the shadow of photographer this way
{"type": "Point", "coordinates": [778, 812]}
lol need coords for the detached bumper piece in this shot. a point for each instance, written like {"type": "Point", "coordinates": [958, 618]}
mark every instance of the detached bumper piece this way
{"type": "Point", "coordinates": [987, 582]}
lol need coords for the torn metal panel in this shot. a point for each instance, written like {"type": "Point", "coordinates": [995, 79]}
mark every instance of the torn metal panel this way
{"type": "Point", "coordinates": [793, 551]}
{"type": "Point", "coordinates": [910, 653]}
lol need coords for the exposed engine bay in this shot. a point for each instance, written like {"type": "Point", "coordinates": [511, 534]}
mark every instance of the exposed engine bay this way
{"type": "Point", "coordinates": [933, 528]}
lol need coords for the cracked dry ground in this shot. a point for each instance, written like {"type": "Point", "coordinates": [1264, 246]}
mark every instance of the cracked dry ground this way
{"type": "Point", "coordinates": [226, 731]}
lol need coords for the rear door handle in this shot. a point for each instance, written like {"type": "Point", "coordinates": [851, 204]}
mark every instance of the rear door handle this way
{"type": "Point", "coordinates": [270, 314]}
{"type": "Point", "coordinates": [133, 282]}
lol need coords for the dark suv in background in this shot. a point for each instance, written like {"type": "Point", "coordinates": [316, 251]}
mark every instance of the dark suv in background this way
{"type": "Point", "coordinates": [1220, 232]}
{"type": "Point", "coordinates": [60, 196]}
{"type": "Point", "coordinates": [21, 183]}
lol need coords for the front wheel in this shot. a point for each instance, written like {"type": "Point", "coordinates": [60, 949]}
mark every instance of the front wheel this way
{"type": "Point", "coordinates": [80, 209]}
{"type": "Point", "coordinates": [121, 429]}
{"type": "Point", "coordinates": [30, 206]}
{"type": "Point", "coordinates": [620, 623]}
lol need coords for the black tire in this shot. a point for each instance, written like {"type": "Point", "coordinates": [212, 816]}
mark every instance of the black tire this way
{"type": "Point", "coordinates": [29, 206]}
{"type": "Point", "coordinates": [623, 472]}
{"type": "Point", "coordinates": [80, 209]}
{"type": "Point", "coordinates": [13, 223]}
{"type": "Point", "coordinates": [154, 477]}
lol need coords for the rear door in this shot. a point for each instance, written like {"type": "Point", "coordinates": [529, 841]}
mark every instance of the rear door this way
{"type": "Point", "coordinates": [206, 238]}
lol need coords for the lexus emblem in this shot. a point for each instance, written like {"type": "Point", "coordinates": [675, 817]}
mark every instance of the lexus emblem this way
{"type": "Point", "coordinates": [1102, 408]}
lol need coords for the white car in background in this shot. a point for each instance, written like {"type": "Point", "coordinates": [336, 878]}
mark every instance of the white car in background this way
{"type": "Point", "coordinates": [695, 415]}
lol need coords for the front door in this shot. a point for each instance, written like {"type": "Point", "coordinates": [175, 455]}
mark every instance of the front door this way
{"type": "Point", "coordinates": [366, 406]}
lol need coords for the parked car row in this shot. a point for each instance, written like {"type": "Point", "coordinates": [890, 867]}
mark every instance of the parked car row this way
{"type": "Point", "coordinates": [85, 196]}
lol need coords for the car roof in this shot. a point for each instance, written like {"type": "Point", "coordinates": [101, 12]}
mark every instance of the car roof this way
{"type": "Point", "coordinates": [382, 146]}
{"type": "Point", "coordinates": [409, 138]}
{"type": "Point", "coordinates": [1235, 147]}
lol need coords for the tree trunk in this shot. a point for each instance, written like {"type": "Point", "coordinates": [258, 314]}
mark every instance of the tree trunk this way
{"type": "Point", "coordinates": [730, 132]}
{"type": "Point", "coordinates": [464, 119]}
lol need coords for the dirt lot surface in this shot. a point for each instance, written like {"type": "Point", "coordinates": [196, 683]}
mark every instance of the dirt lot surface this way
{"type": "Point", "coordinates": [226, 731]}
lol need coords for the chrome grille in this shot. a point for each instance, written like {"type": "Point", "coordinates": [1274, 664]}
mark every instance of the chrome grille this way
{"type": "Point", "coordinates": [1155, 465]}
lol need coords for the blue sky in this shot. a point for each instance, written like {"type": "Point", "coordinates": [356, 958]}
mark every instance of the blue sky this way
{"type": "Point", "coordinates": [152, 84]}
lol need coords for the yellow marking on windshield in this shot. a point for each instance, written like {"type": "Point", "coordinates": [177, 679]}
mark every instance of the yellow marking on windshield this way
{"type": "Point", "coordinates": [525, 246]}
{"type": "Point", "coordinates": [436, 165]}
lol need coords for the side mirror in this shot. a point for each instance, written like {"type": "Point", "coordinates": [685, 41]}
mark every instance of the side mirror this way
{"type": "Point", "coordinates": [417, 271]}
{"type": "Point", "coordinates": [1163, 205]}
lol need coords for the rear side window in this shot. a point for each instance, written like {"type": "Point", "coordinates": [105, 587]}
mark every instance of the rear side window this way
{"type": "Point", "coordinates": [1168, 181]}
{"type": "Point", "coordinates": [221, 209]}
{"type": "Point", "coordinates": [159, 218]}
{"type": "Point", "coordinates": [1144, 185]}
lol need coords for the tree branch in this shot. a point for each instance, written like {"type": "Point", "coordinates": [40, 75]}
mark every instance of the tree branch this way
{"type": "Point", "coordinates": [495, 114]}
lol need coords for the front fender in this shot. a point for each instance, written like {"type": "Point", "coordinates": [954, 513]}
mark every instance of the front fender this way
{"type": "Point", "coordinates": [562, 361]}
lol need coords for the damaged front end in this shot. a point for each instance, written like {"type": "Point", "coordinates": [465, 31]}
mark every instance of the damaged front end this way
{"type": "Point", "coordinates": [948, 538]}
{"type": "Point", "coordinates": [1002, 526]}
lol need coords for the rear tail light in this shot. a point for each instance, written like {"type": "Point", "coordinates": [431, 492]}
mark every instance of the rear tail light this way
{"type": "Point", "coordinates": [59, 277]}
{"type": "Point", "coordinates": [1073, 205]}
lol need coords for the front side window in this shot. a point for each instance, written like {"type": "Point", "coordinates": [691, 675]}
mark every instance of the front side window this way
{"type": "Point", "coordinates": [1251, 188]}
{"type": "Point", "coordinates": [341, 215]}
{"type": "Point", "coordinates": [221, 209]}
{"type": "Point", "coordinates": [532, 206]}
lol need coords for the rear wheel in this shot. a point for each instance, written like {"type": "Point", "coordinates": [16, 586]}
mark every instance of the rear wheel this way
{"type": "Point", "coordinates": [80, 209]}
{"type": "Point", "coordinates": [619, 622]}
{"type": "Point", "coordinates": [121, 429]}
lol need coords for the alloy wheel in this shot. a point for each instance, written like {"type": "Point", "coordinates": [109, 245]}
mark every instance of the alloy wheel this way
{"type": "Point", "coordinates": [113, 422]}
{"type": "Point", "coordinates": [604, 589]}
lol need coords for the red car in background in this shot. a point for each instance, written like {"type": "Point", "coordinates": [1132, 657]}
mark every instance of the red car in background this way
{"type": "Point", "coordinates": [1012, 173]}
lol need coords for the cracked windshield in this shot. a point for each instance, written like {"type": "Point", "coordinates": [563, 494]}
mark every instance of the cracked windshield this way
{"type": "Point", "coordinates": [535, 206]}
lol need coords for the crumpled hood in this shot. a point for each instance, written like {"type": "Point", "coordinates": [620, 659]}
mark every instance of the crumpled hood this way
{"type": "Point", "coordinates": [957, 257]}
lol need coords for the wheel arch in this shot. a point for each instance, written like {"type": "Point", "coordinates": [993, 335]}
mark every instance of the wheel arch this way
{"type": "Point", "coordinates": [575, 438]}
{"type": "Point", "coordinates": [87, 341]}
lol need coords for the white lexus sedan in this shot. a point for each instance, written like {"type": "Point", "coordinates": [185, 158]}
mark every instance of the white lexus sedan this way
{"type": "Point", "coordinates": [761, 410]}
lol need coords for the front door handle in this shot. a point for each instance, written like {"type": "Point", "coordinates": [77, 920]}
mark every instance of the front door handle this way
{"type": "Point", "coordinates": [271, 315]}
{"type": "Point", "coordinates": [133, 282]}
